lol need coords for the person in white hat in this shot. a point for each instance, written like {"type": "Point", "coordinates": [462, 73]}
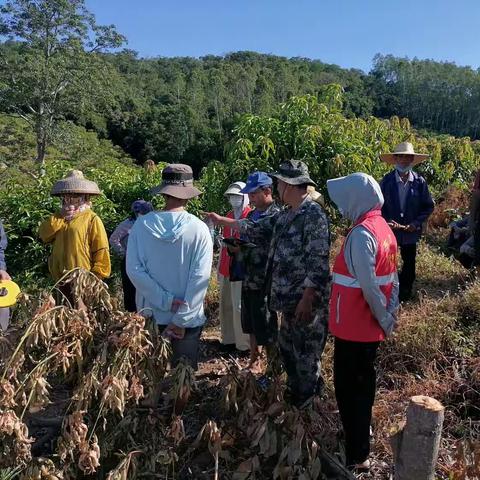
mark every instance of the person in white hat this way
{"type": "Point", "coordinates": [76, 232]}
{"type": "Point", "coordinates": [408, 204]}
{"type": "Point", "coordinates": [231, 287]}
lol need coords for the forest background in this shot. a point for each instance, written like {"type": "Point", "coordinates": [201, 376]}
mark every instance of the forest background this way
{"type": "Point", "coordinates": [72, 96]}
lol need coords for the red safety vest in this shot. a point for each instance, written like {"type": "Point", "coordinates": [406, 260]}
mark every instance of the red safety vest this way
{"type": "Point", "coordinates": [350, 315]}
{"type": "Point", "coordinates": [224, 266]}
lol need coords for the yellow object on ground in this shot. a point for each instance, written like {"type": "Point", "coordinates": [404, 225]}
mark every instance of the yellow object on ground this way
{"type": "Point", "coordinates": [80, 243]}
{"type": "Point", "coordinates": [9, 292]}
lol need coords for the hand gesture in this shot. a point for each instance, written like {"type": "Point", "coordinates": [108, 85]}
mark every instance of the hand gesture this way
{"type": "Point", "coordinates": [176, 304]}
{"type": "Point", "coordinates": [4, 276]}
{"type": "Point", "coordinates": [213, 217]}
{"type": "Point", "coordinates": [174, 332]}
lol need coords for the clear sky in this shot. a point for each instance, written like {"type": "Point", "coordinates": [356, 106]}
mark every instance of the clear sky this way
{"type": "Point", "coordinates": [345, 32]}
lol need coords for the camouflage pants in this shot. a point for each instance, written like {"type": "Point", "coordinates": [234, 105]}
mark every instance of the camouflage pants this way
{"type": "Point", "coordinates": [301, 346]}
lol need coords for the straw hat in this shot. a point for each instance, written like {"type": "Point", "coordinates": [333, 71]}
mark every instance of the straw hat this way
{"type": "Point", "coordinates": [75, 182]}
{"type": "Point", "coordinates": [315, 196]}
{"type": "Point", "coordinates": [404, 148]}
{"type": "Point", "coordinates": [177, 181]}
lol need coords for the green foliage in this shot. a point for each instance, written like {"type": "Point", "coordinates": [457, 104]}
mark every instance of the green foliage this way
{"type": "Point", "coordinates": [314, 130]}
{"type": "Point", "coordinates": [26, 199]}
{"type": "Point", "coordinates": [184, 108]}
{"type": "Point", "coordinates": [51, 66]}
{"type": "Point", "coordinates": [440, 96]}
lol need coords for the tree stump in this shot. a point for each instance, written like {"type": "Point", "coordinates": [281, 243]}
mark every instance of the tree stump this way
{"type": "Point", "coordinates": [415, 446]}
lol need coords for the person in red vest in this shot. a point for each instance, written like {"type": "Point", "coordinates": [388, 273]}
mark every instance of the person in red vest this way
{"type": "Point", "coordinates": [363, 306]}
{"type": "Point", "coordinates": [231, 287]}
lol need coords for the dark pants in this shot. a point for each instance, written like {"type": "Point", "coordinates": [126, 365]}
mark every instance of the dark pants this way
{"type": "Point", "coordinates": [407, 275]}
{"type": "Point", "coordinates": [354, 378]}
{"type": "Point", "coordinates": [257, 319]}
{"type": "Point", "coordinates": [128, 289]}
{"type": "Point", "coordinates": [185, 348]}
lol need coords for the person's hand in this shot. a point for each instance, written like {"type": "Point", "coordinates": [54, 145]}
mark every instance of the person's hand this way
{"type": "Point", "coordinates": [4, 276]}
{"type": "Point", "coordinates": [304, 310]}
{"type": "Point", "coordinates": [174, 332]}
{"type": "Point", "coordinates": [176, 304]}
{"type": "Point", "coordinates": [410, 228]}
{"type": "Point", "coordinates": [233, 249]}
{"type": "Point", "coordinates": [394, 225]}
{"type": "Point", "coordinates": [213, 217]}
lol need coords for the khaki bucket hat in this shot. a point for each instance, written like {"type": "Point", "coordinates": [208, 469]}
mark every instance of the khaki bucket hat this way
{"type": "Point", "coordinates": [404, 148]}
{"type": "Point", "coordinates": [75, 182]}
{"type": "Point", "coordinates": [177, 181]}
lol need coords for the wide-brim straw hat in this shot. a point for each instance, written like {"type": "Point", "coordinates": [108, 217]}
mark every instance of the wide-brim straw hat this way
{"type": "Point", "coordinates": [177, 181]}
{"type": "Point", "coordinates": [404, 148]}
{"type": "Point", "coordinates": [73, 183]}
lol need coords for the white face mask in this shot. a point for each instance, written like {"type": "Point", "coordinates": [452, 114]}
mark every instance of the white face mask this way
{"type": "Point", "coordinates": [235, 201]}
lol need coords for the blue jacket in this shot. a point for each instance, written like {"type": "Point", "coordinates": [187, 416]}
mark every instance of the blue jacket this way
{"type": "Point", "coordinates": [418, 206]}
{"type": "Point", "coordinates": [3, 246]}
{"type": "Point", "coordinates": [169, 256]}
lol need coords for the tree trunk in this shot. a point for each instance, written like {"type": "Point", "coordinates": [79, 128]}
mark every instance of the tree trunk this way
{"type": "Point", "coordinates": [415, 446]}
{"type": "Point", "coordinates": [41, 150]}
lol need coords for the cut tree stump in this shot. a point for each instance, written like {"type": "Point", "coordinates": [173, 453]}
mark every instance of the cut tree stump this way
{"type": "Point", "coordinates": [415, 446]}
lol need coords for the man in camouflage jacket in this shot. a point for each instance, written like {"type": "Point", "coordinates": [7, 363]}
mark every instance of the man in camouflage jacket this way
{"type": "Point", "coordinates": [258, 320]}
{"type": "Point", "coordinates": [298, 277]}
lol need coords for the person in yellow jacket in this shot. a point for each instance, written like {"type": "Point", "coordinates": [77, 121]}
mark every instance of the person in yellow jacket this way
{"type": "Point", "coordinates": [76, 232]}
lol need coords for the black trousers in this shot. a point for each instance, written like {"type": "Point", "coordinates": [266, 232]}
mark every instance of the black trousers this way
{"type": "Point", "coordinates": [407, 275]}
{"type": "Point", "coordinates": [128, 289]}
{"type": "Point", "coordinates": [355, 380]}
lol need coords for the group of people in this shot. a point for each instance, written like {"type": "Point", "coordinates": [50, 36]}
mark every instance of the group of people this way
{"type": "Point", "coordinates": [276, 286]}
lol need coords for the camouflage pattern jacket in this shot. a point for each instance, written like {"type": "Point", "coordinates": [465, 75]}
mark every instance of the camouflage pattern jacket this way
{"type": "Point", "coordinates": [256, 258]}
{"type": "Point", "coordinates": [298, 255]}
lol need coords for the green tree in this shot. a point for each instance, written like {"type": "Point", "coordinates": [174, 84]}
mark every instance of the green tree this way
{"type": "Point", "coordinates": [51, 67]}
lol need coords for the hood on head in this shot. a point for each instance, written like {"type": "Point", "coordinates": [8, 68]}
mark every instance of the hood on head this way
{"type": "Point", "coordinates": [355, 194]}
{"type": "Point", "coordinates": [166, 226]}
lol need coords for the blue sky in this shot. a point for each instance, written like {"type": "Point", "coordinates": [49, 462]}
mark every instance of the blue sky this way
{"type": "Point", "coordinates": [345, 32]}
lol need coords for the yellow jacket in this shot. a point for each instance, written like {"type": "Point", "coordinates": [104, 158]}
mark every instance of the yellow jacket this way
{"type": "Point", "coordinates": [82, 242]}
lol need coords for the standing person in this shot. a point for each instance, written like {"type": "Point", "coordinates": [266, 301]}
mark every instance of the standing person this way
{"type": "Point", "coordinates": [298, 276]}
{"type": "Point", "coordinates": [231, 288]}
{"type": "Point", "coordinates": [408, 204]}
{"type": "Point", "coordinates": [169, 261]}
{"type": "Point", "coordinates": [118, 242]}
{"type": "Point", "coordinates": [4, 276]}
{"type": "Point", "coordinates": [474, 218]}
{"type": "Point", "coordinates": [258, 321]}
{"type": "Point", "coordinates": [363, 306]}
{"type": "Point", "coordinates": [76, 232]}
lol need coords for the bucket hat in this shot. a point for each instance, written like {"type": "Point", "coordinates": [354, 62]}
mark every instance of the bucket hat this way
{"type": "Point", "coordinates": [294, 172]}
{"type": "Point", "coordinates": [75, 182]}
{"type": "Point", "coordinates": [404, 148]}
{"type": "Point", "coordinates": [177, 181]}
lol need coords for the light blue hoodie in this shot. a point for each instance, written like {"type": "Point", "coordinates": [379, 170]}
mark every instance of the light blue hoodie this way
{"type": "Point", "coordinates": [169, 256]}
